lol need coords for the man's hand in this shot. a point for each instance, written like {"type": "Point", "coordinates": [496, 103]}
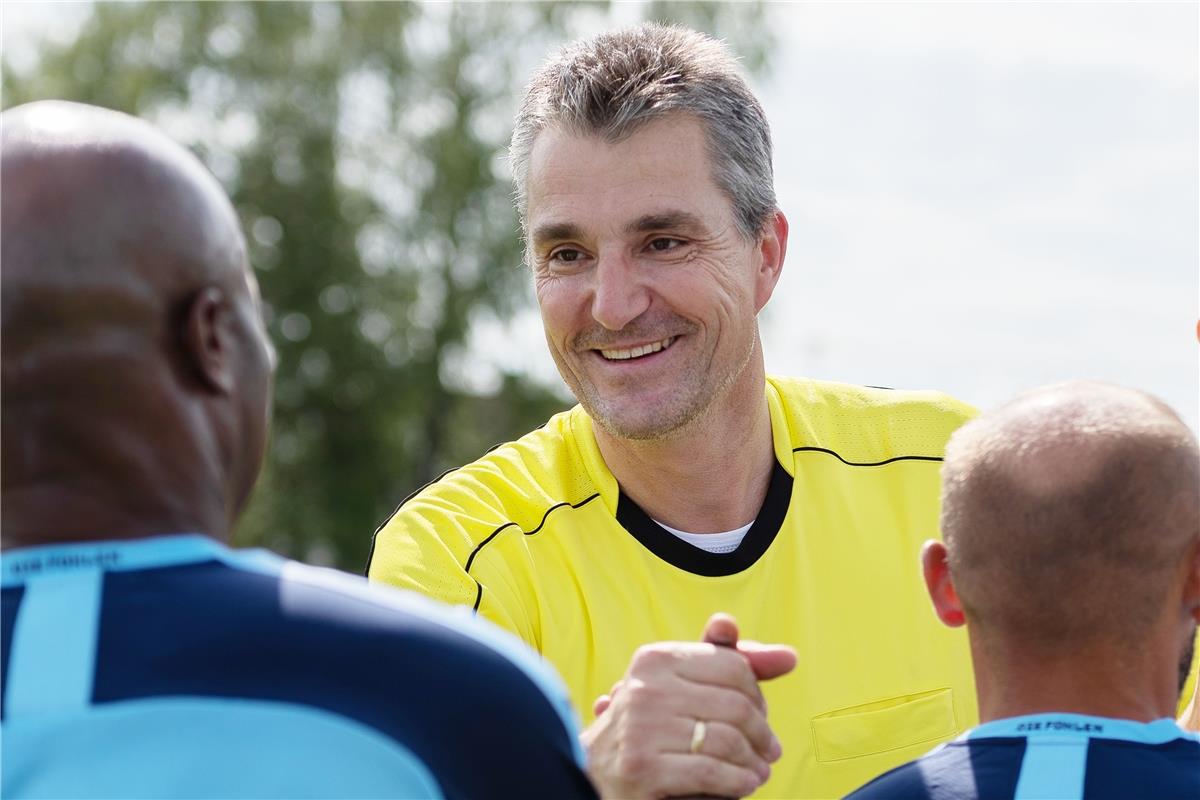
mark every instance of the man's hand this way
{"type": "Point", "coordinates": [640, 745]}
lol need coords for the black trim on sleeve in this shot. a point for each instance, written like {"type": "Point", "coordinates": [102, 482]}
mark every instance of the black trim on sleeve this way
{"type": "Point", "coordinates": [673, 550]}
{"type": "Point", "coordinates": [396, 510]}
{"type": "Point", "coordinates": [506, 526]}
{"type": "Point", "coordinates": [414, 493]}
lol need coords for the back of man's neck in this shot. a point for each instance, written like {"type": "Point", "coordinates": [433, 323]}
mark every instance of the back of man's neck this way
{"type": "Point", "coordinates": [46, 515]}
{"type": "Point", "coordinates": [1091, 683]}
{"type": "Point", "coordinates": [710, 478]}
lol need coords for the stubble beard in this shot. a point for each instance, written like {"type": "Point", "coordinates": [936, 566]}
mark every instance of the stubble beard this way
{"type": "Point", "coordinates": [692, 403]}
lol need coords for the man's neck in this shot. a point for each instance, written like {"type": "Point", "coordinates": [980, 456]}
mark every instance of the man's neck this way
{"type": "Point", "coordinates": [1095, 681]}
{"type": "Point", "coordinates": [45, 515]}
{"type": "Point", "coordinates": [149, 469]}
{"type": "Point", "coordinates": [708, 478]}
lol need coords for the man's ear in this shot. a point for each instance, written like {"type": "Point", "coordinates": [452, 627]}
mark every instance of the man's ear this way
{"type": "Point", "coordinates": [772, 247]}
{"type": "Point", "coordinates": [208, 339]}
{"type": "Point", "coordinates": [1191, 586]}
{"type": "Point", "coordinates": [940, 585]}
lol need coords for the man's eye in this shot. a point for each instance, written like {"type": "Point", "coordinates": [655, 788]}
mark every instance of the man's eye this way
{"type": "Point", "coordinates": [664, 243]}
{"type": "Point", "coordinates": [566, 255]}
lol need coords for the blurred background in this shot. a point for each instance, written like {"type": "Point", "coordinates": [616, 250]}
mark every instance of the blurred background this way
{"type": "Point", "coordinates": [983, 198]}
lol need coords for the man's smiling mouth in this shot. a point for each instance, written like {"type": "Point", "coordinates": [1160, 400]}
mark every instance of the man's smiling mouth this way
{"type": "Point", "coordinates": [638, 352]}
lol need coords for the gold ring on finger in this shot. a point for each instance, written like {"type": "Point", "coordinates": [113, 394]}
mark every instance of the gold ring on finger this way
{"type": "Point", "coordinates": [699, 731]}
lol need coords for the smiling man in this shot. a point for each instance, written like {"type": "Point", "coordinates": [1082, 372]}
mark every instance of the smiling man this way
{"type": "Point", "coordinates": [687, 482]}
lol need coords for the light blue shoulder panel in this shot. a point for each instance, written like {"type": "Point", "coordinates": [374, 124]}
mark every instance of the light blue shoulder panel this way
{"type": "Point", "coordinates": [205, 748]}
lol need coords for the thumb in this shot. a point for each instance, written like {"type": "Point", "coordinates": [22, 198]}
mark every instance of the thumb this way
{"type": "Point", "coordinates": [605, 700]}
{"type": "Point", "coordinates": [768, 660]}
{"type": "Point", "coordinates": [721, 629]}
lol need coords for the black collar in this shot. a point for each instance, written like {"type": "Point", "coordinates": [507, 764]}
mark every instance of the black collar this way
{"type": "Point", "coordinates": [673, 550]}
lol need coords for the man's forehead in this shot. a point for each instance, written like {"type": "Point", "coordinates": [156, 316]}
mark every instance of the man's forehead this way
{"type": "Point", "coordinates": [660, 171]}
{"type": "Point", "coordinates": [675, 140]}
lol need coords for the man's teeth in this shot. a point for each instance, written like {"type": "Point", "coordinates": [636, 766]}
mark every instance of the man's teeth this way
{"type": "Point", "coordinates": [637, 352]}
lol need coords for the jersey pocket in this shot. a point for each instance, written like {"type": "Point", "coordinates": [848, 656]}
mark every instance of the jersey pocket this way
{"type": "Point", "coordinates": [885, 725]}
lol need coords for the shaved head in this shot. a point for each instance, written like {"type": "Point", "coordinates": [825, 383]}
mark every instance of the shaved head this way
{"type": "Point", "coordinates": [132, 342]}
{"type": "Point", "coordinates": [110, 181]}
{"type": "Point", "coordinates": [1069, 513]}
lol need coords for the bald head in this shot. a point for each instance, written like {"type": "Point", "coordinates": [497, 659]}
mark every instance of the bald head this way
{"type": "Point", "coordinates": [129, 315]}
{"type": "Point", "coordinates": [1069, 512]}
{"type": "Point", "coordinates": [97, 200]}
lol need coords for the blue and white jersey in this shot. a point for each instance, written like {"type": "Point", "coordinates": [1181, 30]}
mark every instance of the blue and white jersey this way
{"type": "Point", "coordinates": [1052, 757]}
{"type": "Point", "coordinates": [176, 667]}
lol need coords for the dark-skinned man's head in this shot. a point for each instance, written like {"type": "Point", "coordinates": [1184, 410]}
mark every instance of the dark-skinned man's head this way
{"type": "Point", "coordinates": [136, 370]}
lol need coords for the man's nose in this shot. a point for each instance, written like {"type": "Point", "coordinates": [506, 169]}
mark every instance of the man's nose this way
{"type": "Point", "coordinates": [620, 294]}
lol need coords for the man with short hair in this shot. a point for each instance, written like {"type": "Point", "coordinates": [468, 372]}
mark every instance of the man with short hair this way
{"type": "Point", "coordinates": [140, 657]}
{"type": "Point", "coordinates": [1071, 519]}
{"type": "Point", "coordinates": [687, 482]}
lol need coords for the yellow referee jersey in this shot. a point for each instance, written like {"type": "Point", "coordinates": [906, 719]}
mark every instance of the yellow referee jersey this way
{"type": "Point", "coordinates": [538, 537]}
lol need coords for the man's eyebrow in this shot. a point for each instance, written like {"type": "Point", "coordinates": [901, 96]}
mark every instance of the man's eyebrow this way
{"type": "Point", "coordinates": [555, 231]}
{"type": "Point", "coordinates": [664, 221]}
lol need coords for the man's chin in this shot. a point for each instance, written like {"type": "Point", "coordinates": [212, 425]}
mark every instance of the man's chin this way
{"type": "Point", "coordinates": [642, 425]}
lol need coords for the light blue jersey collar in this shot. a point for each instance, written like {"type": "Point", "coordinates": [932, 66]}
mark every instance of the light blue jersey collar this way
{"type": "Point", "coordinates": [1080, 726]}
{"type": "Point", "coordinates": [20, 565]}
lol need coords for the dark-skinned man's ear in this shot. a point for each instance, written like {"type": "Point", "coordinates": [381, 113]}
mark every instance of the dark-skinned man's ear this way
{"type": "Point", "coordinates": [208, 337]}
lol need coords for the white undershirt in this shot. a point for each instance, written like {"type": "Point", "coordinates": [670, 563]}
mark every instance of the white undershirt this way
{"type": "Point", "coordinates": [725, 542]}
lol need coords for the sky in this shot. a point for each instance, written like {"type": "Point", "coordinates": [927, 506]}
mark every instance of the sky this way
{"type": "Point", "coordinates": [983, 198]}
{"type": "Point", "coordinates": [990, 197]}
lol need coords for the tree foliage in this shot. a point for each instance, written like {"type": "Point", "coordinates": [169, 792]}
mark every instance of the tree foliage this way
{"type": "Point", "coordinates": [362, 145]}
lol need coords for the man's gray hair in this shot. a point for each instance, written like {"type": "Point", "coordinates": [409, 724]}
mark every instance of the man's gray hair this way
{"type": "Point", "coordinates": [612, 84]}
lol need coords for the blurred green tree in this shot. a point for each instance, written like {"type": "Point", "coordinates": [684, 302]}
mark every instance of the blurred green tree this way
{"type": "Point", "coordinates": [363, 145]}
